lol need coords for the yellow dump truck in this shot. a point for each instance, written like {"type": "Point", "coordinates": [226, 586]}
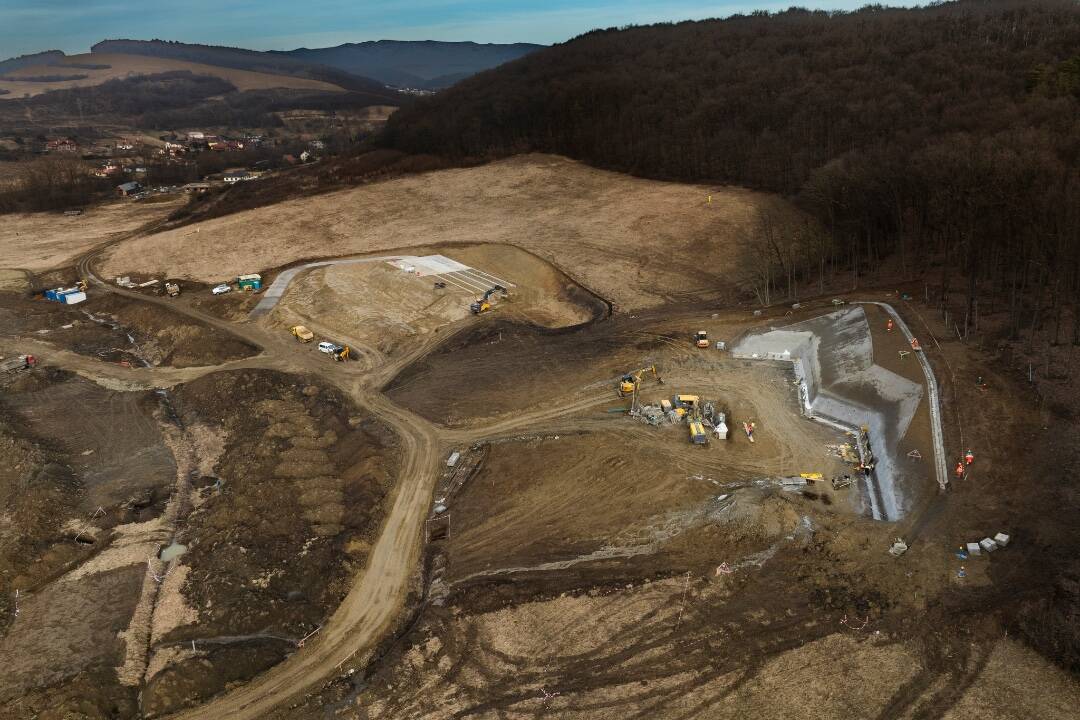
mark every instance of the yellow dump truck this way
{"type": "Point", "coordinates": [698, 435]}
{"type": "Point", "coordinates": [302, 334]}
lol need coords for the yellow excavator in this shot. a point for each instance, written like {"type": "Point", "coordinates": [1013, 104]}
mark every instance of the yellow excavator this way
{"type": "Point", "coordinates": [629, 382]}
{"type": "Point", "coordinates": [484, 304]}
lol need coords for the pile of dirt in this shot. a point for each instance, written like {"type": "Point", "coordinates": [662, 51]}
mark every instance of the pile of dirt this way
{"type": "Point", "coordinates": [280, 527]}
{"type": "Point", "coordinates": [37, 494]}
{"type": "Point", "coordinates": [84, 464]}
{"type": "Point", "coordinates": [506, 366]}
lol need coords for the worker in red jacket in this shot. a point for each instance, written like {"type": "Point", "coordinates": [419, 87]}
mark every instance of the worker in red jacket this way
{"type": "Point", "coordinates": [889, 325]}
{"type": "Point", "coordinates": [969, 457]}
{"type": "Point", "coordinates": [960, 469]}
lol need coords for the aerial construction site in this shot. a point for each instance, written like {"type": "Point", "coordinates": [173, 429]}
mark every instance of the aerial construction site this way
{"type": "Point", "coordinates": [499, 442]}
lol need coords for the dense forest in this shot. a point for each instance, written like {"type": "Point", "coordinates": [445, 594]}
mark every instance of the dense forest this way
{"type": "Point", "coordinates": [127, 97]}
{"type": "Point", "coordinates": [945, 138]}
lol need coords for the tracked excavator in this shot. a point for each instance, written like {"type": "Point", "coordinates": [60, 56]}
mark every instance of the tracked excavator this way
{"type": "Point", "coordinates": [484, 304]}
{"type": "Point", "coordinates": [629, 382]}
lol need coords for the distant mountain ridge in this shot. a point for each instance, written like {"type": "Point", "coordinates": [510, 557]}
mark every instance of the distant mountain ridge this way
{"type": "Point", "coordinates": [240, 59]}
{"type": "Point", "coordinates": [428, 64]}
{"type": "Point", "coordinates": [424, 64]}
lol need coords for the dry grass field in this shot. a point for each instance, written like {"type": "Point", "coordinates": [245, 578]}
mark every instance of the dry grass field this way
{"type": "Point", "coordinates": [122, 66]}
{"type": "Point", "coordinates": [636, 242]}
{"type": "Point", "coordinates": [42, 241]}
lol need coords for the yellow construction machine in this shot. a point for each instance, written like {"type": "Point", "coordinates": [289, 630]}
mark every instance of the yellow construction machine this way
{"type": "Point", "coordinates": [701, 339]}
{"type": "Point", "coordinates": [629, 382]}
{"type": "Point", "coordinates": [302, 333]}
{"type": "Point", "coordinates": [484, 304]}
{"type": "Point", "coordinates": [342, 353]}
{"type": "Point", "coordinates": [687, 405]}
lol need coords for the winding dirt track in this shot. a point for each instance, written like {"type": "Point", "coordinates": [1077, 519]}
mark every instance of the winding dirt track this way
{"type": "Point", "coordinates": [372, 605]}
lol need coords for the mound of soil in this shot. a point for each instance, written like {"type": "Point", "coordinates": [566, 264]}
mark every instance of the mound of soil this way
{"type": "Point", "coordinates": [295, 498]}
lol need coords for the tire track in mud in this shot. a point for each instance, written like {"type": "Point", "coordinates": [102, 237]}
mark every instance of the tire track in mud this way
{"type": "Point", "coordinates": [713, 641]}
{"type": "Point", "coordinates": [371, 607]}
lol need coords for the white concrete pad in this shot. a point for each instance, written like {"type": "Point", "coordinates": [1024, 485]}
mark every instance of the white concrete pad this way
{"type": "Point", "coordinates": [428, 264]}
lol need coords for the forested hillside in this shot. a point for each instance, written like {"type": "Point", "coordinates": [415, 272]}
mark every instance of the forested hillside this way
{"type": "Point", "coordinates": [48, 57]}
{"type": "Point", "coordinates": [947, 135]}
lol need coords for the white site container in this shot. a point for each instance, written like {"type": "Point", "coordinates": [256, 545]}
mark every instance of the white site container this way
{"type": "Point", "coordinates": [973, 549]}
{"type": "Point", "coordinates": [73, 298]}
{"type": "Point", "coordinates": [453, 459]}
{"type": "Point", "coordinates": [1001, 539]}
{"type": "Point", "coordinates": [988, 545]}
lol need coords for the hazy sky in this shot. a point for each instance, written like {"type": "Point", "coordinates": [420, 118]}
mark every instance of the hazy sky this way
{"type": "Point", "coordinates": [73, 25]}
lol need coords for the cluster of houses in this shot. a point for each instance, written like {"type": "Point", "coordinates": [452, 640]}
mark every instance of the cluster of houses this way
{"type": "Point", "coordinates": [71, 146]}
{"type": "Point", "coordinates": [197, 141]}
{"type": "Point", "coordinates": [120, 166]}
{"type": "Point", "coordinates": [125, 161]}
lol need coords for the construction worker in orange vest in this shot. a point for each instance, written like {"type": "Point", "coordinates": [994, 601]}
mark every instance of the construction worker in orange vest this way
{"type": "Point", "coordinates": [888, 326]}
{"type": "Point", "coordinates": [969, 457]}
{"type": "Point", "coordinates": [960, 469]}
{"type": "Point", "coordinates": [915, 344]}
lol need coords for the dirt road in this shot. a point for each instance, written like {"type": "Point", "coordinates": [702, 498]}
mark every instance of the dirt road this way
{"type": "Point", "coordinates": [378, 593]}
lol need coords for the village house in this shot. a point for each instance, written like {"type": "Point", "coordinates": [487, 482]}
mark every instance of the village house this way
{"type": "Point", "coordinates": [108, 170]}
{"type": "Point", "coordinates": [64, 145]}
{"type": "Point", "coordinates": [236, 176]}
{"type": "Point", "coordinates": [129, 188]}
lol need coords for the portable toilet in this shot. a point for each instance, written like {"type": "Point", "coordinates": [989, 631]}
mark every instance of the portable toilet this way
{"type": "Point", "coordinates": [720, 427]}
{"type": "Point", "coordinates": [249, 282]}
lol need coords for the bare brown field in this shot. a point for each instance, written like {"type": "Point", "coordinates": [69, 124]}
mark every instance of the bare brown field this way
{"type": "Point", "coordinates": [380, 310]}
{"type": "Point", "coordinates": [636, 242]}
{"type": "Point", "coordinates": [122, 66]}
{"type": "Point", "coordinates": [42, 241]}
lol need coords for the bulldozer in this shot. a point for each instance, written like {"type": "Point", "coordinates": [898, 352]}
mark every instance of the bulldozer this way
{"type": "Point", "coordinates": [484, 304]}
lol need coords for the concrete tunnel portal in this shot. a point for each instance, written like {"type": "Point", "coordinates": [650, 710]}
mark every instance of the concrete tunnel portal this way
{"type": "Point", "coordinates": [841, 385]}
